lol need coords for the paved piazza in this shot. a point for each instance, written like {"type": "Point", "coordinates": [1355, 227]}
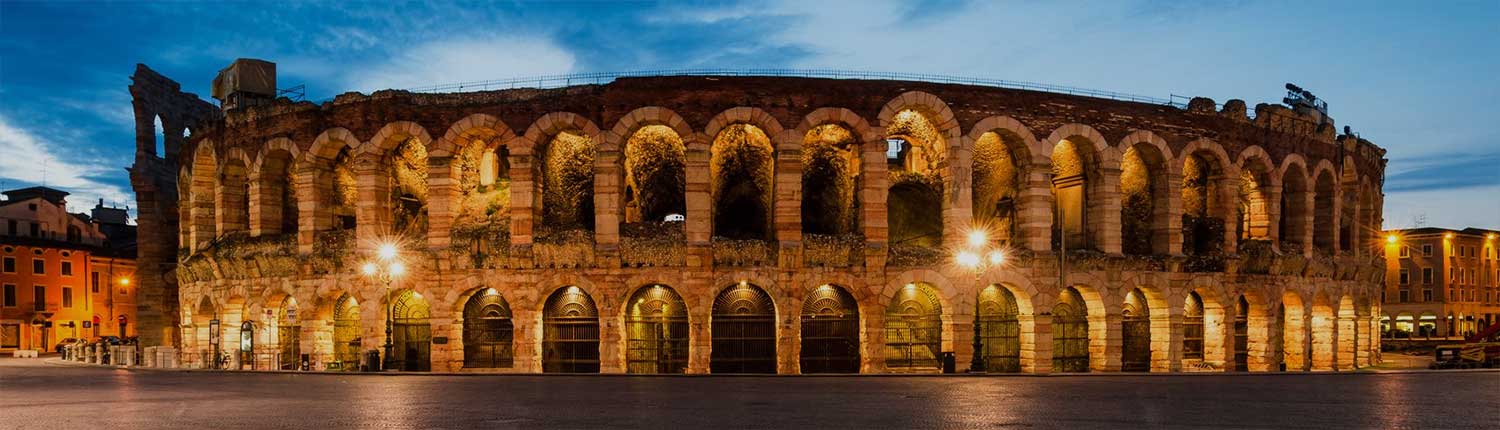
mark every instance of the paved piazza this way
{"type": "Point", "coordinates": [35, 395]}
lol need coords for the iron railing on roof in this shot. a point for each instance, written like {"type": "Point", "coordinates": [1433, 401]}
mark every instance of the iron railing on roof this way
{"type": "Point", "coordinates": [599, 78]}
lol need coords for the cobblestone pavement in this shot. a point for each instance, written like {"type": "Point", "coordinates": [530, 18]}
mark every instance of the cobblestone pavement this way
{"type": "Point", "coordinates": [38, 395]}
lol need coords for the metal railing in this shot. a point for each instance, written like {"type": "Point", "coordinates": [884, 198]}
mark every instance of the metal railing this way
{"type": "Point", "coordinates": [599, 78]}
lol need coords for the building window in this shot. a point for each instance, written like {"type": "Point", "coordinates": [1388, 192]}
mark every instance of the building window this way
{"type": "Point", "coordinates": [11, 227]}
{"type": "Point", "coordinates": [1427, 250]}
{"type": "Point", "coordinates": [39, 298]}
{"type": "Point", "coordinates": [10, 296]}
{"type": "Point", "coordinates": [1427, 275]}
{"type": "Point", "coordinates": [94, 282]}
{"type": "Point", "coordinates": [1426, 295]}
{"type": "Point", "coordinates": [67, 268]}
{"type": "Point", "coordinates": [67, 297]}
{"type": "Point", "coordinates": [1405, 277]}
{"type": "Point", "coordinates": [1405, 252]}
{"type": "Point", "coordinates": [1403, 296]}
{"type": "Point", "coordinates": [10, 265]}
{"type": "Point", "coordinates": [38, 266]}
{"type": "Point", "coordinates": [36, 230]}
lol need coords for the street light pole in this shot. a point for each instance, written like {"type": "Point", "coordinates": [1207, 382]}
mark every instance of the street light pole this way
{"type": "Point", "coordinates": [386, 273]}
{"type": "Point", "coordinates": [978, 258]}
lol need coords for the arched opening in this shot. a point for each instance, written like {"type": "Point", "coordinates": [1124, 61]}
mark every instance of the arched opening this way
{"type": "Point", "coordinates": [570, 332]}
{"type": "Point", "coordinates": [346, 334]}
{"type": "Point", "coordinates": [1135, 332]}
{"type": "Point", "coordinates": [914, 330]}
{"type": "Point", "coordinates": [1070, 332]}
{"type": "Point", "coordinates": [1192, 327]}
{"type": "Point", "coordinates": [656, 326]}
{"type": "Point", "coordinates": [411, 336]}
{"type": "Point", "coordinates": [205, 332]}
{"type": "Point", "coordinates": [998, 175]}
{"type": "Point", "coordinates": [1143, 203]}
{"type": "Point", "coordinates": [488, 331]}
{"type": "Point", "coordinates": [1202, 214]}
{"type": "Point", "coordinates": [914, 205]}
{"type": "Point", "coordinates": [344, 193]}
{"type": "Point", "coordinates": [744, 331]}
{"type": "Point", "coordinates": [1253, 219]}
{"type": "Point", "coordinates": [830, 331]}
{"type": "Point", "coordinates": [278, 194]}
{"type": "Point", "coordinates": [741, 172]}
{"type": "Point", "coordinates": [160, 133]}
{"type": "Point", "coordinates": [830, 173]}
{"type": "Point", "coordinates": [408, 188]}
{"type": "Point", "coordinates": [567, 184]}
{"type": "Point", "coordinates": [999, 330]}
{"type": "Point", "coordinates": [1324, 223]}
{"type": "Point", "coordinates": [481, 177]}
{"type": "Point", "coordinates": [1242, 335]}
{"type": "Point", "coordinates": [234, 190]}
{"type": "Point", "coordinates": [289, 334]}
{"type": "Point", "coordinates": [1294, 211]}
{"type": "Point", "coordinates": [1071, 171]}
{"type": "Point", "coordinates": [655, 178]}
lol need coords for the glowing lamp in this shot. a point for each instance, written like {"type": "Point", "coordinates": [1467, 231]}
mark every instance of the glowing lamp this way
{"type": "Point", "coordinates": [387, 251]}
{"type": "Point", "coordinates": [977, 238]}
{"type": "Point", "coordinates": [368, 268]}
{"type": "Point", "coordinates": [967, 259]}
{"type": "Point", "coordinates": [997, 257]}
{"type": "Point", "coordinates": [1391, 239]}
{"type": "Point", "coordinates": [397, 268]}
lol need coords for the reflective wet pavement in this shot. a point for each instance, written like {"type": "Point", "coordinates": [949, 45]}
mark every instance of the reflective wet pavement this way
{"type": "Point", "coordinates": [38, 395]}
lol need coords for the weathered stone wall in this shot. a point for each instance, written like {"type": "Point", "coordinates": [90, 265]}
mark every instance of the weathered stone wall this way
{"type": "Point", "coordinates": [1326, 296]}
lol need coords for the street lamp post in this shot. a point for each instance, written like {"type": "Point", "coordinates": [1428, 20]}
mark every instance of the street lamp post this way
{"type": "Point", "coordinates": [385, 271]}
{"type": "Point", "coordinates": [978, 257]}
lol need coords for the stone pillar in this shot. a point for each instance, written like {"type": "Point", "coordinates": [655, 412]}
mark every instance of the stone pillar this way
{"type": "Point", "coordinates": [1167, 229]}
{"type": "Point", "coordinates": [1036, 344]}
{"type": "Point", "coordinates": [1362, 342]}
{"type": "Point", "coordinates": [611, 336]}
{"type": "Point", "coordinates": [1035, 208]}
{"type": "Point", "coordinates": [700, 328]}
{"type": "Point", "coordinates": [874, 189]}
{"type": "Point", "coordinates": [1105, 353]}
{"type": "Point", "coordinates": [442, 201]}
{"type": "Point", "coordinates": [788, 342]}
{"type": "Point", "coordinates": [1227, 203]}
{"type": "Point", "coordinates": [1104, 211]}
{"type": "Point", "coordinates": [961, 324]}
{"type": "Point", "coordinates": [524, 196]}
{"type": "Point", "coordinates": [699, 223]}
{"type": "Point", "coordinates": [1166, 351]}
{"type": "Point", "coordinates": [1273, 213]}
{"type": "Point", "coordinates": [314, 202]}
{"type": "Point", "coordinates": [1218, 337]}
{"type": "Point", "coordinates": [609, 184]}
{"type": "Point", "coordinates": [373, 214]}
{"type": "Point", "coordinates": [958, 193]}
{"type": "Point", "coordinates": [1324, 337]}
{"type": "Point", "coordinates": [787, 198]}
{"type": "Point", "coordinates": [1261, 356]}
{"type": "Point", "coordinates": [1347, 338]}
{"type": "Point", "coordinates": [260, 208]}
{"type": "Point", "coordinates": [872, 347]}
{"type": "Point", "coordinates": [527, 340]}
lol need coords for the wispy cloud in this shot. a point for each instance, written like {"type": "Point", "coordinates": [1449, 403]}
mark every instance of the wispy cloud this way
{"type": "Point", "coordinates": [32, 160]}
{"type": "Point", "coordinates": [464, 60]}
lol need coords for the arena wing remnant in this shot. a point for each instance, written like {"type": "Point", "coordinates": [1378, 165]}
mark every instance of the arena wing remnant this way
{"type": "Point", "coordinates": [760, 224]}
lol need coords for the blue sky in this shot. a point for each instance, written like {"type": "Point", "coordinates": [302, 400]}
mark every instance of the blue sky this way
{"type": "Point", "coordinates": [1416, 79]}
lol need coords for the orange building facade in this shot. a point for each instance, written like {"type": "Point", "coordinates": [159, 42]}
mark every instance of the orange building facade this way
{"type": "Point", "coordinates": [1440, 282]}
{"type": "Point", "coordinates": [62, 275]}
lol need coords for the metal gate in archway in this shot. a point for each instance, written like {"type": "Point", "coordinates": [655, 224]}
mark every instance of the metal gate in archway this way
{"type": "Point", "coordinates": [1070, 333]}
{"type": "Point", "coordinates": [570, 332]}
{"type": "Point", "coordinates": [346, 334]}
{"type": "Point", "coordinates": [914, 330]}
{"type": "Point", "coordinates": [411, 336]}
{"type": "Point", "coordinates": [999, 330]}
{"type": "Point", "coordinates": [488, 331]}
{"type": "Point", "coordinates": [1242, 336]}
{"type": "Point", "coordinates": [1192, 328]}
{"type": "Point", "coordinates": [656, 325]}
{"type": "Point", "coordinates": [744, 331]}
{"type": "Point", "coordinates": [1135, 329]}
{"type": "Point", "coordinates": [830, 332]}
{"type": "Point", "coordinates": [289, 335]}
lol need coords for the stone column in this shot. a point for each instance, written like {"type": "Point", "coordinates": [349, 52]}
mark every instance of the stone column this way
{"type": "Point", "coordinates": [1362, 342]}
{"type": "Point", "coordinates": [314, 202]}
{"type": "Point", "coordinates": [1105, 354]}
{"type": "Point", "coordinates": [699, 223]}
{"type": "Point", "coordinates": [260, 208]}
{"type": "Point", "coordinates": [788, 342]}
{"type": "Point", "coordinates": [1273, 213]}
{"type": "Point", "coordinates": [1167, 234]}
{"type": "Point", "coordinates": [525, 343]}
{"type": "Point", "coordinates": [874, 189]}
{"type": "Point", "coordinates": [1347, 338]}
{"type": "Point", "coordinates": [609, 184]}
{"type": "Point", "coordinates": [872, 347]}
{"type": "Point", "coordinates": [1261, 352]}
{"type": "Point", "coordinates": [1104, 211]}
{"type": "Point", "coordinates": [962, 325]}
{"type": "Point", "coordinates": [1035, 209]}
{"type": "Point", "coordinates": [1218, 337]}
{"type": "Point", "coordinates": [1226, 204]}
{"type": "Point", "coordinates": [1167, 356]}
{"type": "Point", "coordinates": [373, 214]}
{"type": "Point", "coordinates": [787, 198]}
{"type": "Point", "coordinates": [1036, 345]}
{"type": "Point", "coordinates": [958, 193]}
{"type": "Point", "coordinates": [611, 336]}
{"type": "Point", "coordinates": [442, 200]}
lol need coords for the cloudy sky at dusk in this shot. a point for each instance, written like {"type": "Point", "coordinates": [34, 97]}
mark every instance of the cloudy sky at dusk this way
{"type": "Point", "coordinates": [1418, 80]}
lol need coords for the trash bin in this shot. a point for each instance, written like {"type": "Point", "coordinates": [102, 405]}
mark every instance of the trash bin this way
{"type": "Point", "coordinates": [372, 361]}
{"type": "Point", "coordinates": [306, 362]}
{"type": "Point", "coordinates": [950, 364]}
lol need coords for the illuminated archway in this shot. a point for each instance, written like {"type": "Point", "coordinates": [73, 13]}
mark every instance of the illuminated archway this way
{"type": "Point", "coordinates": [914, 330]}
{"type": "Point", "coordinates": [744, 331]}
{"type": "Point", "coordinates": [742, 172]}
{"type": "Point", "coordinates": [570, 332]}
{"type": "Point", "coordinates": [656, 326]}
{"type": "Point", "coordinates": [830, 331]}
{"type": "Point", "coordinates": [488, 331]}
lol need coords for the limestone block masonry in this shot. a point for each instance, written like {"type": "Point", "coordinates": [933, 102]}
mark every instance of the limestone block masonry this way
{"type": "Point", "coordinates": [756, 224]}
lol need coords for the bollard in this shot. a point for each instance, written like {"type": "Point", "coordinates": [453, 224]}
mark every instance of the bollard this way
{"type": "Point", "coordinates": [127, 356]}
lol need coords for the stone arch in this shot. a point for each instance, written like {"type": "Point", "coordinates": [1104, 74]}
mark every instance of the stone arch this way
{"type": "Point", "coordinates": [743, 321]}
{"type": "Point", "coordinates": [1296, 206]}
{"type": "Point", "coordinates": [1002, 169]}
{"type": "Point", "coordinates": [656, 331]}
{"type": "Point", "coordinates": [1145, 330]}
{"type": "Point", "coordinates": [1079, 154]}
{"type": "Point", "coordinates": [489, 327]}
{"type": "Point", "coordinates": [921, 134]}
{"type": "Point", "coordinates": [563, 146]}
{"type": "Point", "coordinates": [914, 329]}
{"type": "Point", "coordinates": [273, 189]}
{"type": "Point", "coordinates": [1146, 200]}
{"type": "Point", "coordinates": [830, 331]}
{"type": "Point", "coordinates": [944, 132]}
{"type": "Point", "coordinates": [1207, 173]}
{"type": "Point", "coordinates": [1254, 190]}
{"type": "Point", "coordinates": [1254, 329]}
{"type": "Point", "coordinates": [869, 199]}
{"type": "Point", "coordinates": [471, 180]}
{"type": "Point", "coordinates": [571, 336]}
{"type": "Point", "coordinates": [660, 131]}
{"type": "Point", "coordinates": [832, 160]}
{"type": "Point", "coordinates": [742, 173]}
{"type": "Point", "coordinates": [1325, 207]}
{"type": "Point", "coordinates": [394, 173]}
{"type": "Point", "coordinates": [327, 181]}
